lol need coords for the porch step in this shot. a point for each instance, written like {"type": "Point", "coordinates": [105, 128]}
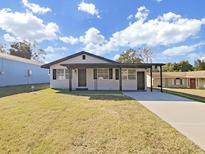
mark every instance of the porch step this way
{"type": "Point", "coordinates": [81, 89]}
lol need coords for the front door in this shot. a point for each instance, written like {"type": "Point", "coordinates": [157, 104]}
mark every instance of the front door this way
{"type": "Point", "coordinates": [193, 83]}
{"type": "Point", "coordinates": [140, 81]}
{"type": "Point", "coordinates": [82, 77]}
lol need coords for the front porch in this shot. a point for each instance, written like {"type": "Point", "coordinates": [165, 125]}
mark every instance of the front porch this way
{"type": "Point", "coordinates": [109, 76]}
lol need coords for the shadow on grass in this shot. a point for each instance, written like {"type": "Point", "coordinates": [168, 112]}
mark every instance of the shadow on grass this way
{"type": "Point", "coordinates": [12, 90]}
{"type": "Point", "coordinates": [97, 95]}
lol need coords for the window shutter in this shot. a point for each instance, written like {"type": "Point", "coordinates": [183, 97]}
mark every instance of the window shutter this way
{"type": "Point", "coordinates": [110, 73]}
{"type": "Point", "coordinates": [54, 74]}
{"type": "Point", "coordinates": [94, 73]}
{"type": "Point", "coordinates": [116, 74]}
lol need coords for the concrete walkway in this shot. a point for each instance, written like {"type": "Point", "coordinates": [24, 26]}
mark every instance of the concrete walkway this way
{"type": "Point", "coordinates": [187, 116]}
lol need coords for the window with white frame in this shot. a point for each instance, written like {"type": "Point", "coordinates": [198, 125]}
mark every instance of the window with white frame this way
{"type": "Point", "coordinates": [66, 74]}
{"type": "Point", "coordinates": [131, 74]}
{"type": "Point", "coordinates": [178, 82]}
{"type": "Point", "coordinates": [124, 74]}
{"type": "Point", "coordinates": [103, 73]}
{"type": "Point", "coordinates": [60, 74]}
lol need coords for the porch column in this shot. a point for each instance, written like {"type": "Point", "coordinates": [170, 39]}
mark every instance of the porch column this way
{"type": "Point", "coordinates": [120, 78]}
{"type": "Point", "coordinates": [161, 79]}
{"type": "Point", "coordinates": [70, 79]}
{"type": "Point", "coordinates": [151, 78]}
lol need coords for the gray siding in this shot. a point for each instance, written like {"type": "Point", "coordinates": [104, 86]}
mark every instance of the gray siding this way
{"type": "Point", "coordinates": [16, 73]}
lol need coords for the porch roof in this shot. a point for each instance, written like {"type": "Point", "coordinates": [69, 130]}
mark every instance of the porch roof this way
{"type": "Point", "coordinates": [103, 65]}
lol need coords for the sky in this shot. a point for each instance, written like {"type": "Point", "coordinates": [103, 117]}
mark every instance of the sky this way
{"type": "Point", "coordinates": [174, 30]}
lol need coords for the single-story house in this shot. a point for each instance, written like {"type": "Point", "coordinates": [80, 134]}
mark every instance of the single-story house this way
{"type": "Point", "coordinates": [20, 71]}
{"type": "Point", "coordinates": [86, 71]}
{"type": "Point", "coordinates": [194, 79]}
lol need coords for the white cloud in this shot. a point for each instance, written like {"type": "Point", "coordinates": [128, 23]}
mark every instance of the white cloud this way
{"type": "Point", "coordinates": [51, 49]}
{"type": "Point", "coordinates": [116, 57]}
{"type": "Point", "coordinates": [164, 30]}
{"type": "Point", "coordinates": [130, 17]}
{"type": "Point", "coordinates": [35, 8]}
{"type": "Point", "coordinates": [182, 50]}
{"type": "Point", "coordinates": [69, 40]}
{"type": "Point", "coordinates": [27, 26]}
{"type": "Point", "coordinates": [142, 13]}
{"type": "Point", "coordinates": [89, 8]}
{"type": "Point", "coordinates": [8, 38]}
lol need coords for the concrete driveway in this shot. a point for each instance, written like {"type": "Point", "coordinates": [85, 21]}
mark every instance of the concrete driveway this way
{"type": "Point", "coordinates": [187, 116]}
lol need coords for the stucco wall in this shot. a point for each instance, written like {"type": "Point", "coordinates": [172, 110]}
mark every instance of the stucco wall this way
{"type": "Point", "coordinates": [201, 83]}
{"type": "Point", "coordinates": [16, 73]}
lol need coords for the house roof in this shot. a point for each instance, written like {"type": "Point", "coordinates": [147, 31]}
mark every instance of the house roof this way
{"type": "Point", "coordinates": [111, 63]}
{"type": "Point", "coordinates": [19, 59]}
{"type": "Point", "coordinates": [193, 74]}
{"type": "Point", "coordinates": [75, 55]}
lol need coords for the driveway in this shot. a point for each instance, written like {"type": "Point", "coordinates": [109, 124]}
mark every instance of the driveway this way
{"type": "Point", "coordinates": [187, 116]}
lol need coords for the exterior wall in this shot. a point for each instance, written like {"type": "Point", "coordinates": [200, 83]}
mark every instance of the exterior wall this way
{"type": "Point", "coordinates": [167, 82]}
{"type": "Point", "coordinates": [16, 73]}
{"type": "Point", "coordinates": [97, 84]}
{"type": "Point", "coordinates": [201, 83]}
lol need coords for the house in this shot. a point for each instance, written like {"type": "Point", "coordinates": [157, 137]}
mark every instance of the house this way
{"type": "Point", "coordinates": [194, 79]}
{"type": "Point", "coordinates": [20, 71]}
{"type": "Point", "coordinates": [86, 71]}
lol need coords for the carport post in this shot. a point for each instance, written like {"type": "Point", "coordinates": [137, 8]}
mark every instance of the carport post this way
{"type": "Point", "coordinates": [70, 78]}
{"type": "Point", "coordinates": [161, 78]}
{"type": "Point", "coordinates": [151, 78]}
{"type": "Point", "coordinates": [120, 78]}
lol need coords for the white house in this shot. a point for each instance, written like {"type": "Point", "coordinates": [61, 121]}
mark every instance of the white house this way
{"type": "Point", "coordinates": [86, 71]}
{"type": "Point", "coordinates": [20, 71]}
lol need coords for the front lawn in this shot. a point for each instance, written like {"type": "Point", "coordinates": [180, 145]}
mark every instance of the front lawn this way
{"type": "Point", "coordinates": [54, 121]}
{"type": "Point", "coordinates": [195, 94]}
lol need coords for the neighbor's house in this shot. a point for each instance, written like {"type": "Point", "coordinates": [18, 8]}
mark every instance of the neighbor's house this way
{"type": "Point", "coordinates": [195, 79]}
{"type": "Point", "coordinates": [20, 71]}
{"type": "Point", "coordinates": [86, 71]}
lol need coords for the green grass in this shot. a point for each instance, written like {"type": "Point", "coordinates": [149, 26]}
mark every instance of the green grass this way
{"type": "Point", "coordinates": [194, 94]}
{"type": "Point", "coordinates": [55, 121]}
{"type": "Point", "coordinates": [12, 90]}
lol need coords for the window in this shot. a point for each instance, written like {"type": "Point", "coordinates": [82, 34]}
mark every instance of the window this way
{"type": "Point", "coordinates": [178, 82]}
{"type": "Point", "coordinates": [95, 74]}
{"type": "Point", "coordinates": [131, 74]}
{"type": "Point", "coordinates": [66, 74]}
{"type": "Point", "coordinates": [110, 73]}
{"type": "Point", "coordinates": [124, 74]}
{"type": "Point", "coordinates": [103, 73]}
{"type": "Point", "coordinates": [117, 74]}
{"type": "Point", "coordinates": [60, 74]}
{"type": "Point", "coordinates": [83, 57]}
{"type": "Point", "coordinates": [54, 74]}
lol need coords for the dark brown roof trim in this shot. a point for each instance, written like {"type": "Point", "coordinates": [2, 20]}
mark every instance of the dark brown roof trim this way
{"type": "Point", "coordinates": [75, 55]}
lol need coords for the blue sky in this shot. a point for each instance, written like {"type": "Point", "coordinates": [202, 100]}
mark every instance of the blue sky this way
{"type": "Point", "coordinates": [174, 30]}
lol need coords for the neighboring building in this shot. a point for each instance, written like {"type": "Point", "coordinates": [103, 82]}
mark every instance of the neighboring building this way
{"type": "Point", "coordinates": [194, 79]}
{"type": "Point", "coordinates": [20, 71]}
{"type": "Point", "coordinates": [86, 71]}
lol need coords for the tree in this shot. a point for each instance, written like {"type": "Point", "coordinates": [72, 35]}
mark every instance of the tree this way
{"type": "Point", "coordinates": [182, 66]}
{"type": "Point", "coordinates": [136, 56]}
{"type": "Point", "coordinates": [21, 49]}
{"type": "Point", "coordinates": [199, 65]}
{"type": "Point", "coordinates": [2, 49]}
{"type": "Point", "coordinates": [129, 56]}
{"type": "Point", "coordinates": [146, 55]}
{"type": "Point", "coordinates": [185, 66]}
{"type": "Point", "coordinates": [27, 50]}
